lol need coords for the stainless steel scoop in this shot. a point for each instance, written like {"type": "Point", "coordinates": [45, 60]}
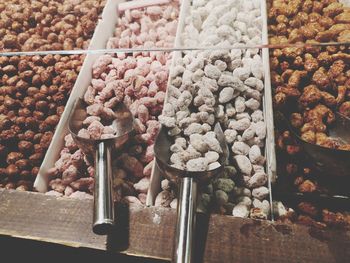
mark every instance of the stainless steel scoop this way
{"type": "Point", "coordinates": [186, 209]}
{"type": "Point", "coordinates": [103, 216]}
{"type": "Point", "coordinates": [328, 161]}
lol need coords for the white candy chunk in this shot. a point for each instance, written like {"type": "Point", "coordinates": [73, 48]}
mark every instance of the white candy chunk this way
{"type": "Point", "coordinates": [211, 156]}
{"type": "Point", "coordinates": [198, 164]}
{"type": "Point", "coordinates": [257, 116]}
{"type": "Point", "coordinates": [240, 104]}
{"type": "Point", "coordinates": [230, 135]}
{"type": "Point", "coordinates": [240, 210]}
{"type": "Point", "coordinates": [226, 80]}
{"type": "Point", "coordinates": [181, 142]}
{"type": "Point", "coordinates": [240, 125]}
{"type": "Point", "coordinates": [263, 205]}
{"type": "Point", "coordinates": [226, 95]}
{"type": "Point", "coordinates": [221, 65]}
{"type": "Point", "coordinates": [212, 71]}
{"type": "Point", "coordinates": [169, 122]}
{"type": "Point", "coordinates": [260, 130]}
{"type": "Point", "coordinates": [212, 143]}
{"type": "Point", "coordinates": [257, 180]}
{"type": "Point", "coordinates": [255, 155]}
{"type": "Point", "coordinates": [240, 148]}
{"type": "Point", "coordinates": [197, 142]}
{"type": "Point", "coordinates": [193, 128]}
{"type": "Point", "coordinates": [243, 163]}
{"type": "Point", "coordinates": [252, 104]}
{"type": "Point", "coordinates": [254, 83]}
{"type": "Point", "coordinates": [260, 193]}
{"type": "Point", "coordinates": [242, 73]}
{"type": "Point", "coordinates": [168, 110]}
{"type": "Point", "coordinates": [230, 110]}
{"type": "Point", "coordinates": [248, 133]}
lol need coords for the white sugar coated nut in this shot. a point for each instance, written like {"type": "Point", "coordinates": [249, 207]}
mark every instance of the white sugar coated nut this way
{"type": "Point", "coordinates": [239, 125]}
{"type": "Point", "coordinates": [212, 71]}
{"type": "Point", "coordinates": [260, 193]}
{"type": "Point", "coordinates": [263, 205]}
{"type": "Point", "coordinates": [257, 116]}
{"type": "Point", "coordinates": [240, 104]}
{"type": "Point", "coordinates": [198, 164]}
{"type": "Point", "coordinates": [257, 180]}
{"type": "Point", "coordinates": [211, 156]}
{"type": "Point", "coordinates": [240, 210]}
{"type": "Point", "coordinates": [164, 198]}
{"type": "Point", "coordinates": [248, 133]}
{"type": "Point", "coordinates": [260, 130]}
{"type": "Point", "coordinates": [244, 200]}
{"type": "Point", "coordinates": [240, 148]}
{"type": "Point", "coordinates": [197, 142]}
{"type": "Point", "coordinates": [193, 128]}
{"type": "Point", "coordinates": [255, 155]}
{"type": "Point", "coordinates": [243, 164]}
{"type": "Point", "coordinates": [230, 135]}
{"type": "Point", "coordinates": [226, 95]}
{"type": "Point", "coordinates": [252, 104]}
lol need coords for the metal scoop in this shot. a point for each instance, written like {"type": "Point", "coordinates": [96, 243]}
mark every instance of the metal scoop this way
{"type": "Point", "coordinates": [328, 161]}
{"type": "Point", "coordinates": [103, 216]}
{"type": "Point", "coordinates": [185, 226]}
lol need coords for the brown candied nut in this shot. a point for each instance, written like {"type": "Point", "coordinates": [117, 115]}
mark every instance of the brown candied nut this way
{"type": "Point", "coordinates": [60, 110]}
{"type": "Point", "coordinates": [36, 80]}
{"type": "Point", "coordinates": [20, 121]}
{"type": "Point", "coordinates": [38, 115]}
{"type": "Point", "coordinates": [334, 219]}
{"type": "Point", "coordinates": [45, 77]}
{"type": "Point", "coordinates": [25, 146]}
{"type": "Point", "coordinates": [345, 108]}
{"type": "Point", "coordinates": [9, 69]}
{"type": "Point", "coordinates": [289, 91]}
{"type": "Point", "coordinates": [280, 99]}
{"type": "Point", "coordinates": [291, 168]}
{"type": "Point", "coordinates": [31, 123]}
{"type": "Point", "coordinates": [57, 185]}
{"type": "Point", "coordinates": [44, 127]}
{"type": "Point", "coordinates": [309, 136]}
{"type": "Point", "coordinates": [7, 135]}
{"type": "Point", "coordinates": [41, 105]}
{"type": "Point", "coordinates": [296, 120]}
{"type": "Point", "coordinates": [11, 104]}
{"type": "Point", "coordinates": [38, 148]}
{"type": "Point", "coordinates": [37, 137]}
{"type": "Point", "coordinates": [21, 86]}
{"type": "Point", "coordinates": [32, 91]}
{"type": "Point", "coordinates": [298, 180]}
{"type": "Point", "coordinates": [13, 157]}
{"type": "Point", "coordinates": [311, 63]}
{"type": "Point", "coordinates": [52, 120]}
{"type": "Point", "coordinates": [10, 41]}
{"type": "Point", "coordinates": [296, 78]}
{"type": "Point", "coordinates": [12, 170]}
{"type": "Point", "coordinates": [23, 65]}
{"type": "Point", "coordinates": [328, 99]}
{"type": "Point", "coordinates": [59, 98]}
{"type": "Point", "coordinates": [36, 158]}
{"type": "Point", "coordinates": [35, 171]}
{"type": "Point", "coordinates": [39, 96]}
{"type": "Point", "coordinates": [46, 139]}
{"type": "Point", "coordinates": [310, 96]}
{"type": "Point", "coordinates": [59, 67]}
{"type": "Point", "coordinates": [307, 187]}
{"type": "Point", "coordinates": [5, 123]}
{"type": "Point", "coordinates": [23, 164]}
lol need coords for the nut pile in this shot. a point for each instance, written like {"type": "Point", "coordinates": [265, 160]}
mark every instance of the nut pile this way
{"type": "Point", "coordinates": [48, 25]}
{"type": "Point", "coordinates": [33, 94]}
{"type": "Point", "coordinates": [138, 80]}
{"type": "Point", "coordinates": [309, 21]}
{"type": "Point", "coordinates": [310, 84]}
{"type": "Point", "coordinates": [226, 87]}
{"type": "Point", "coordinates": [311, 214]}
{"type": "Point", "coordinates": [149, 27]}
{"type": "Point", "coordinates": [223, 23]}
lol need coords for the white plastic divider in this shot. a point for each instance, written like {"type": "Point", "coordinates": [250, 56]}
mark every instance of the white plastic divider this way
{"type": "Point", "coordinates": [104, 29]}
{"type": "Point", "coordinates": [270, 151]}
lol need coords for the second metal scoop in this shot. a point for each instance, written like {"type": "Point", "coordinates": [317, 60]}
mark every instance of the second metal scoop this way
{"type": "Point", "coordinates": [329, 161]}
{"type": "Point", "coordinates": [101, 150]}
{"type": "Point", "coordinates": [185, 227]}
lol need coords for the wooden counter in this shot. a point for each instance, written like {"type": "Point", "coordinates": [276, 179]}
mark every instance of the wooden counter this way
{"type": "Point", "coordinates": [148, 232]}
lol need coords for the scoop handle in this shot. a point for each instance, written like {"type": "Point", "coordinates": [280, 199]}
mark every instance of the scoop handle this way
{"type": "Point", "coordinates": [103, 218]}
{"type": "Point", "coordinates": [185, 226]}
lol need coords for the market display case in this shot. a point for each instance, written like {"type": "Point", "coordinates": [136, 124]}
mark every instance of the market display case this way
{"type": "Point", "coordinates": [272, 73]}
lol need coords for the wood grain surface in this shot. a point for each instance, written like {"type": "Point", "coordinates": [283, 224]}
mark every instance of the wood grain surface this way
{"type": "Point", "coordinates": [148, 232]}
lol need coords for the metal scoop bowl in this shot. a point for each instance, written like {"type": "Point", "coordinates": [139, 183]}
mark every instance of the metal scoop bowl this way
{"type": "Point", "coordinates": [188, 181]}
{"type": "Point", "coordinates": [101, 150]}
{"type": "Point", "coordinates": [332, 162]}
